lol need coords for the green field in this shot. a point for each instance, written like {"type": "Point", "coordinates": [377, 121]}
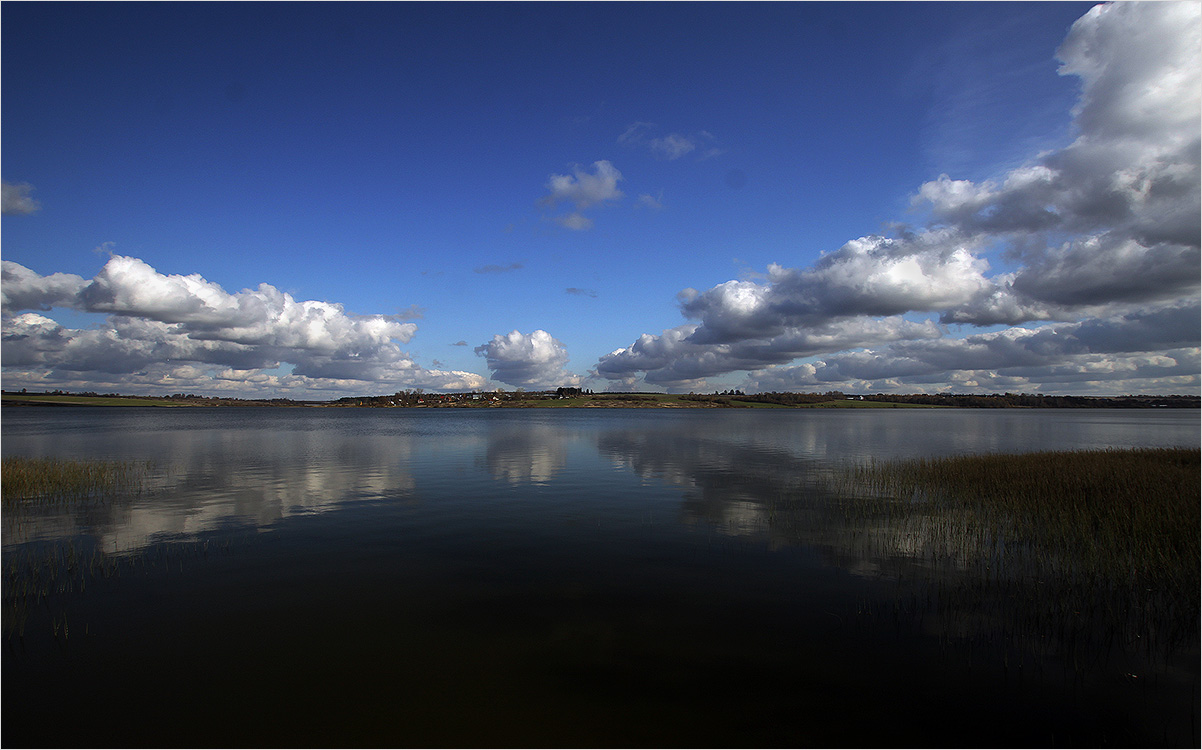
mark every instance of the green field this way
{"type": "Point", "coordinates": [865, 405]}
{"type": "Point", "coordinates": [71, 400]}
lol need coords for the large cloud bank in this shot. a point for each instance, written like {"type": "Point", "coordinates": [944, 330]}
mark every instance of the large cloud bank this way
{"type": "Point", "coordinates": [1093, 248]}
{"type": "Point", "coordinates": [184, 333]}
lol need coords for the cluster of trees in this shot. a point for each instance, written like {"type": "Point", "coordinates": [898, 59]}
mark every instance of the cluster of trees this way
{"type": "Point", "coordinates": [787, 398]}
{"type": "Point", "coordinates": [978, 401]}
{"type": "Point", "coordinates": [400, 398]}
{"type": "Point", "coordinates": [708, 398]}
{"type": "Point", "coordinates": [784, 399]}
{"type": "Point", "coordinates": [1041, 401]}
{"type": "Point", "coordinates": [226, 400]}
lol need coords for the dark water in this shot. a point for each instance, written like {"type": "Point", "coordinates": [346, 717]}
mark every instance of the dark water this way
{"type": "Point", "coordinates": [533, 578]}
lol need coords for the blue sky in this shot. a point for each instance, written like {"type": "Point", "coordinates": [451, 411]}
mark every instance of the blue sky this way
{"type": "Point", "coordinates": [784, 196]}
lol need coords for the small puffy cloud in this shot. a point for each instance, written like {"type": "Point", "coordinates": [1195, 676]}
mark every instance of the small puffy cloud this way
{"type": "Point", "coordinates": [493, 269]}
{"type": "Point", "coordinates": [583, 190]}
{"type": "Point", "coordinates": [413, 312]}
{"type": "Point", "coordinates": [575, 221]}
{"type": "Point", "coordinates": [671, 146]}
{"type": "Point", "coordinates": [529, 360]}
{"type": "Point", "coordinates": [635, 133]}
{"type": "Point", "coordinates": [15, 199]}
{"type": "Point", "coordinates": [656, 203]}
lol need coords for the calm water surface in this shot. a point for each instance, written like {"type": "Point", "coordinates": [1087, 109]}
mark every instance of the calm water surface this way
{"type": "Point", "coordinates": [528, 577]}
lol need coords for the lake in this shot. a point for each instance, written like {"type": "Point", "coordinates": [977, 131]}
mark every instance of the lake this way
{"type": "Point", "coordinates": [581, 577]}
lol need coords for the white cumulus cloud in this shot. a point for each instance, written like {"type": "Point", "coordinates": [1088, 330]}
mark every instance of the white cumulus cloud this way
{"type": "Point", "coordinates": [533, 360]}
{"type": "Point", "coordinates": [583, 190]}
{"type": "Point", "coordinates": [159, 324]}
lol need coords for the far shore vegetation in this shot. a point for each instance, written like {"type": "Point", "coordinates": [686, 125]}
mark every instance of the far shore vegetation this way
{"type": "Point", "coordinates": [571, 397]}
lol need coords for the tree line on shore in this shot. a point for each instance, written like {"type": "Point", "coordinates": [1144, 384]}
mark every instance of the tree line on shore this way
{"type": "Point", "coordinates": [728, 398]}
{"type": "Point", "coordinates": [788, 398]}
{"type": "Point", "coordinates": [969, 400]}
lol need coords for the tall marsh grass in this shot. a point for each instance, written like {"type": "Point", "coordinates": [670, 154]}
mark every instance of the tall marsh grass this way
{"type": "Point", "coordinates": [1081, 555]}
{"type": "Point", "coordinates": [64, 480]}
{"type": "Point", "coordinates": [1124, 515]}
{"type": "Point", "coordinates": [37, 491]}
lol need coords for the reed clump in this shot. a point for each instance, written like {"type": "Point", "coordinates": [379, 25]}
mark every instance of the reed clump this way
{"type": "Point", "coordinates": [1128, 516]}
{"type": "Point", "coordinates": [25, 479]}
{"type": "Point", "coordinates": [1071, 554]}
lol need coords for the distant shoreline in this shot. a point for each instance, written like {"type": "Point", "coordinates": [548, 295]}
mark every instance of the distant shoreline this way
{"type": "Point", "coordinates": [549, 400]}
